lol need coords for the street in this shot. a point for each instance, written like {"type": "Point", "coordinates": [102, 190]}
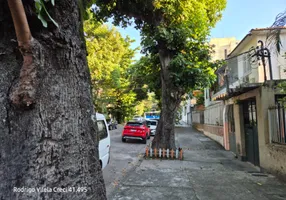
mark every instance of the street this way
{"type": "Point", "coordinates": [123, 157]}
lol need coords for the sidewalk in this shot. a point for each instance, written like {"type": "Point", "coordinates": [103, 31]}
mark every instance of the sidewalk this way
{"type": "Point", "coordinates": [182, 124]}
{"type": "Point", "coordinates": [207, 173]}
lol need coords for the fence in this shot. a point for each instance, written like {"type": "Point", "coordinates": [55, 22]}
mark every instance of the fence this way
{"type": "Point", "coordinates": [277, 125]}
{"type": "Point", "coordinates": [213, 114]}
{"type": "Point", "coordinates": [198, 116]}
{"type": "Point", "coordinates": [164, 153]}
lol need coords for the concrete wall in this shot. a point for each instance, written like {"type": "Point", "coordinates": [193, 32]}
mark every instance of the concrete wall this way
{"type": "Point", "coordinates": [213, 114]}
{"type": "Point", "coordinates": [272, 156]}
{"type": "Point", "coordinates": [274, 160]}
{"type": "Point", "coordinates": [199, 127]}
{"type": "Point", "coordinates": [214, 132]}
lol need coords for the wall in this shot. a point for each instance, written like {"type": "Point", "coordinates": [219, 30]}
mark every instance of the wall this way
{"type": "Point", "coordinates": [272, 156]}
{"type": "Point", "coordinates": [198, 117]}
{"type": "Point", "coordinates": [210, 122]}
{"type": "Point", "coordinates": [187, 110]}
{"type": "Point", "coordinates": [214, 132]}
{"type": "Point", "coordinates": [213, 114]}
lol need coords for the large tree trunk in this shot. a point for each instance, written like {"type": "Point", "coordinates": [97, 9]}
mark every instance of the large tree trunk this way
{"type": "Point", "coordinates": [171, 98]}
{"type": "Point", "coordinates": [54, 143]}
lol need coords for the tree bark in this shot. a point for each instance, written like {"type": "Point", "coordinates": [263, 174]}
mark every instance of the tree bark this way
{"type": "Point", "coordinates": [53, 144]}
{"type": "Point", "coordinates": [171, 99]}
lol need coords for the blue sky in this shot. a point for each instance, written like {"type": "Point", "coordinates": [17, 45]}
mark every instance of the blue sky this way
{"type": "Point", "coordinates": [238, 18]}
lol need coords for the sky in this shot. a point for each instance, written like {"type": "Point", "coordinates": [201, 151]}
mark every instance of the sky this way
{"type": "Point", "coordinates": [239, 17]}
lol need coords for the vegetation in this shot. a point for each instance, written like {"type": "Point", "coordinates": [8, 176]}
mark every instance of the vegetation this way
{"type": "Point", "coordinates": [109, 58]}
{"type": "Point", "coordinates": [174, 37]}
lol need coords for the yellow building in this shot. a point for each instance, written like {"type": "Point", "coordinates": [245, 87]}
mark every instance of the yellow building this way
{"type": "Point", "coordinates": [222, 47]}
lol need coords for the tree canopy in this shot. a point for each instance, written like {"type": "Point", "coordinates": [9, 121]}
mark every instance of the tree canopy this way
{"type": "Point", "coordinates": [174, 37]}
{"type": "Point", "coordinates": [109, 59]}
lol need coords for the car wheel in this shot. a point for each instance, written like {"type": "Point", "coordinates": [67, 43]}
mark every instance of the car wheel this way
{"type": "Point", "coordinates": [123, 140]}
{"type": "Point", "coordinates": [144, 141]}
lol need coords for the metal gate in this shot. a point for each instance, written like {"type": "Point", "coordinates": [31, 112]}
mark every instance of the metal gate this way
{"type": "Point", "coordinates": [251, 134]}
{"type": "Point", "coordinates": [231, 128]}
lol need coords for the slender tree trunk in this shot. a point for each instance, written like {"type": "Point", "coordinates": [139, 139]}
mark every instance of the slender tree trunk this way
{"type": "Point", "coordinates": [171, 98]}
{"type": "Point", "coordinates": [53, 144]}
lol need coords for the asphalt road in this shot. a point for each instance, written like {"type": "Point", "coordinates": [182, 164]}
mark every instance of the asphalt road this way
{"type": "Point", "coordinates": [123, 157]}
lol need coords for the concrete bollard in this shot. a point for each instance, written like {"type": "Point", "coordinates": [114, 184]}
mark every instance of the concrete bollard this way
{"type": "Point", "coordinates": [147, 152]}
{"type": "Point", "coordinates": [151, 152]}
{"type": "Point", "coordinates": [177, 153]}
{"type": "Point", "coordinates": [172, 153]}
{"type": "Point", "coordinates": [181, 154]}
{"type": "Point", "coordinates": [167, 153]}
{"type": "Point", "coordinates": [160, 153]}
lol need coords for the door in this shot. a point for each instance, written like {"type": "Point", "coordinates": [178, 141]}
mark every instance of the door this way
{"type": "Point", "coordinates": [250, 129]}
{"type": "Point", "coordinates": [231, 128]}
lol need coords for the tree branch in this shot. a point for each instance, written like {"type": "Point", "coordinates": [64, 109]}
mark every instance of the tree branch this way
{"type": "Point", "coordinates": [22, 28]}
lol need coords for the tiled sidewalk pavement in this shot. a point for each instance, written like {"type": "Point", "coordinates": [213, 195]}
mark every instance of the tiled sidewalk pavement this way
{"type": "Point", "coordinates": [207, 173]}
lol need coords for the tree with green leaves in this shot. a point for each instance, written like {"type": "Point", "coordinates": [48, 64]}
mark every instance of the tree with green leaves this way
{"type": "Point", "coordinates": [48, 139]}
{"type": "Point", "coordinates": [109, 59]}
{"type": "Point", "coordinates": [174, 32]}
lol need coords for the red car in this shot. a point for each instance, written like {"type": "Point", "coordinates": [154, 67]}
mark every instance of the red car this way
{"type": "Point", "coordinates": [137, 130]}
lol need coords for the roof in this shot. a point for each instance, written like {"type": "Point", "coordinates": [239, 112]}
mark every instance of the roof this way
{"type": "Point", "coordinates": [238, 91]}
{"type": "Point", "coordinates": [268, 28]}
{"type": "Point", "coordinates": [250, 34]}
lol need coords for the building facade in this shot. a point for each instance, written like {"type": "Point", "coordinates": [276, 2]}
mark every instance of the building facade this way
{"type": "Point", "coordinates": [251, 89]}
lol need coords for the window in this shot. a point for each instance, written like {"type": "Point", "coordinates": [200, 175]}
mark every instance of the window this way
{"type": "Point", "coordinates": [152, 123]}
{"type": "Point", "coordinates": [102, 131]}
{"type": "Point", "coordinates": [134, 124]}
{"type": "Point", "coordinates": [246, 65]}
{"type": "Point", "coordinates": [277, 121]}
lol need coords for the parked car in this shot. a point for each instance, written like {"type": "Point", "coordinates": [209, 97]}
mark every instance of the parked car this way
{"type": "Point", "coordinates": [136, 130]}
{"type": "Point", "coordinates": [103, 138]}
{"type": "Point", "coordinates": [112, 124]}
{"type": "Point", "coordinates": [152, 124]}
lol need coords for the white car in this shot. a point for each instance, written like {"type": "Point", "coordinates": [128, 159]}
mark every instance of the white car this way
{"type": "Point", "coordinates": [152, 124]}
{"type": "Point", "coordinates": [138, 118]}
{"type": "Point", "coordinates": [103, 138]}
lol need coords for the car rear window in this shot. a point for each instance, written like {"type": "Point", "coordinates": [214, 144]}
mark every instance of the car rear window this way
{"type": "Point", "coordinates": [134, 124]}
{"type": "Point", "coordinates": [151, 123]}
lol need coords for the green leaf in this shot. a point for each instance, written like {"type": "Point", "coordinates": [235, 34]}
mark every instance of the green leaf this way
{"type": "Point", "coordinates": [55, 23]}
{"type": "Point", "coordinates": [41, 11]}
{"type": "Point", "coordinates": [44, 22]}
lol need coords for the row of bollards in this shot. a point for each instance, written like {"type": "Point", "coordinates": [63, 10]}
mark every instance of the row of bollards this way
{"type": "Point", "coordinates": [164, 153]}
